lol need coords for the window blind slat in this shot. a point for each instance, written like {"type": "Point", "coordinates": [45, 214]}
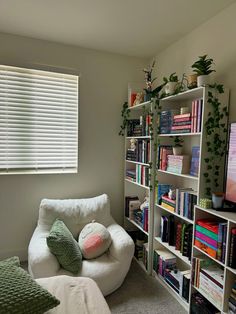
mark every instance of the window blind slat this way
{"type": "Point", "coordinates": [38, 121]}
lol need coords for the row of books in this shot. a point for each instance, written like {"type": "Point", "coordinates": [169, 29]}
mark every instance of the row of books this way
{"type": "Point", "coordinates": [182, 203]}
{"type": "Point", "coordinates": [139, 127]}
{"type": "Point", "coordinates": [139, 175]}
{"type": "Point", "coordinates": [141, 153]}
{"type": "Point", "coordinates": [232, 300]}
{"type": "Point", "coordinates": [140, 216]}
{"type": "Point", "coordinates": [200, 305]}
{"type": "Point", "coordinates": [179, 164]}
{"type": "Point", "coordinates": [164, 264]}
{"type": "Point", "coordinates": [209, 279]}
{"type": "Point", "coordinates": [177, 234]}
{"type": "Point", "coordinates": [232, 249]}
{"type": "Point", "coordinates": [172, 122]}
{"type": "Point", "coordinates": [210, 237]}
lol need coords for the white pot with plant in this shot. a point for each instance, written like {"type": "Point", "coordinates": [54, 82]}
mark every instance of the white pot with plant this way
{"type": "Point", "coordinates": [202, 67]}
{"type": "Point", "coordinates": [178, 146]}
{"type": "Point", "coordinates": [171, 84]}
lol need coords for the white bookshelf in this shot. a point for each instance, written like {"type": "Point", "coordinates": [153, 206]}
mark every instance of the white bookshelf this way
{"type": "Point", "coordinates": [197, 183]}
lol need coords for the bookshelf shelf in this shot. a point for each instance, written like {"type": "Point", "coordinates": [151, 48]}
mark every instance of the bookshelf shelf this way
{"type": "Point", "coordinates": [210, 257]}
{"type": "Point", "coordinates": [186, 95]}
{"type": "Point", "coordinates": [209, 299]}
{"type": "Point", "coordinates": [140, 185]}
{"type": "Point", "coordinates": [138, 137]}
{"type": "Point", "coordinates": [137, 163]}
{"type": "Point", "coordinates": [187, 176]}
{"type": "Point", "coordinates": [175, 214]}
{"type": "Point", "coordinates": [180, 134]}
{"type": "Point", "coordinates": [140, 106]}
{"type": "Point", "coordinates": [173, 250]}
{"type": "Point", "coordinates": [172, 291]}
{"type": "Point", "coordinates": [137, 225]}
{"type": "Point", "coordinates": [232, 270]}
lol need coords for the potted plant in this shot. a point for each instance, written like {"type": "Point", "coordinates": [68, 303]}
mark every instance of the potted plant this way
{"type": "Point", "coordinates": [149, 81]}
{"type": "Point", "coordinates": [192, 80]}
{"type": "Point", "coordinates": [170, 83]}
{"type": "Point", "coordinates": [178, 146]}
{"type": "Point", "coordinates": [202, 67]}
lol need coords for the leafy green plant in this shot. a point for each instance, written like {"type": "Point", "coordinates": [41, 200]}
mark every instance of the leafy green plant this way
{"type": "Point", "coordinates": [172, 78]}
{"type": "Point", "coordinates": [178, 141]}
{"type": "Point", "coordinates": [216, 132]}
{"type": "Point", "coordinates": [125, 113]}
{"type": "Point", "coordinates": [203, 65]}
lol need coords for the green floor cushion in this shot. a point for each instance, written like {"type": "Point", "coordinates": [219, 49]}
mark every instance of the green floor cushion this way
{"type": "Point", "coordinates": [94, 240]}
{"type": "Point", "coordinates": [15, 261]}
{"type": "Point", "coordinates": [20, 294]}
{"type": "Point", "coordinates": [63, 245]}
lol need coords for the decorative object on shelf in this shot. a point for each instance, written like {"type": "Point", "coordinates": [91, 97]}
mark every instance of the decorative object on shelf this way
{"type": "Point", "coordinates": [133, 143]}
{"type": "Point", "coordinates": [171, 83]}
{"type": "Point", "coordinates": [149, 92]}
{"type": "Point", "coordinates": [125, 113]}
{"type": "Point", "coordinates": [192, 81]}
{"type": "Point", "coordinates": [216, 133]}
{"type": "Point", "coordinates": [172, 193]}
{"type": "Point", "coordinates": [178, 145]}
{"type": "Point", "coordinates": [184, 110]}
{"type": "Point", "coordinates": [139, 98]}
{"type": "Point", "coordinates": [205, 203]}
{"type": "Point", "coordinates": [217, 200]}
{"type": "Point", "coordinates": [203, 68]}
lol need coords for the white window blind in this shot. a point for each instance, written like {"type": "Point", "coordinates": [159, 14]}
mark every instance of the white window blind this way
{"type": "Point", "coordinates": [38, 121]}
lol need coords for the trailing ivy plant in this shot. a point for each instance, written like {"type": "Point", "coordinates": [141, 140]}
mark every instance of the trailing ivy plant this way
{"type": "Point", "coordinates": [125, 113]}
{"type": "Point", "coordinates": [216, 132]}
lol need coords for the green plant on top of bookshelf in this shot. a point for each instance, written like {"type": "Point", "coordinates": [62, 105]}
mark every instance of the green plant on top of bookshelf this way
{"type": "Point", "coordinates": [203, 67]}
{"type": "Point", "coordinates": [125, 113]}
{"type": "Point", "coordinates": [216, 131]}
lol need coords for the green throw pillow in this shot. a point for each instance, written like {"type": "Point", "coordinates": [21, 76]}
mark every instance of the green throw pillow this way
{"type": "Point", "coordinates": [20, 294]}
{"type": "Point", "coordinates": [63, 245]}
{"type": "Point", "coordinates": [14, 261]}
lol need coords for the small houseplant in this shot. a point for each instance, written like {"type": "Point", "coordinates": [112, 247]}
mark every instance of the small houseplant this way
{"type": "Point", "coordinates": [178, 145]}
{"type": "Point", "coordinates": [202, 67]}
{"type": "Point", "coordinates": [149, 81]}
{"type": "Point", "coordinates": [171, 83]}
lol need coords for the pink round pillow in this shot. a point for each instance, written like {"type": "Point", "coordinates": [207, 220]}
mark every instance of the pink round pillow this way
{"type": "Point", "coordinates": [94, 240]}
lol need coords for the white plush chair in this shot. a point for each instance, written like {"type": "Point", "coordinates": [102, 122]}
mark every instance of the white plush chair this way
{"type": "Point", "coordinates": [108, 270]}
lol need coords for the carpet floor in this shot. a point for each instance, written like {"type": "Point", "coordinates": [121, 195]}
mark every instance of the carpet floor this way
{"type": "Point", "coordinates": [141, 294]}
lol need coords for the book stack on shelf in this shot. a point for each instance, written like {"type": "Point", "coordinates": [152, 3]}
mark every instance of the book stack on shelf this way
{"type": "Point", "coordinates": [139, 175]}
{"type": "Point", "coordinates": [181, 123]}
{"type": "Point", "coordinates": [179, 164]}
{"type": "Point", "coordinates": [186, 199]}
{"type": "Point", "coordinates": [160, 190]}
{"type": "Point", "coordinates": [164, 264]}
{"type": "Point", "coordinates": [139, 127]}
{"type": "Point", "coordinates": [232, 249]}
{"type": "Point", "coordinates": [177, 234]}
{"type": "Point", "coordinates": [162, 153]}
{"type": "Point", "coordinates": [199, 304]}
{"type": "Point", "coordinates": [232, 300]}
{"type": "Point", "coordinates": [131, 174]}
{"type": "Point", "coordinates": [194, 168]}
{"type": "Point", "coordinates": [210, 237]}
{"type": "Point", "coordinates": [209, 279]}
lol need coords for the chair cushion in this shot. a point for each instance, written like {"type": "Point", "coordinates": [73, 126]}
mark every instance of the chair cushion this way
{"type": "Point", "coordinates": [15, 261]}
{"type": "Point", "coordinates": [94, 240]}
{"type": "Point", "coordinates": [20, 294]}
{"type": "Point", "coordinates": [62, 244]}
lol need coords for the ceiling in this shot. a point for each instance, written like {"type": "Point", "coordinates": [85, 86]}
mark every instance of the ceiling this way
{"type": "Point", "coordinates": [131, 27]}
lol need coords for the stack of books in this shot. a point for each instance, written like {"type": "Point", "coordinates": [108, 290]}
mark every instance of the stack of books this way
{"type": "Point", "coordinates": [131, 174]}
{"type": "Point", "coordinates": [194, 168]}
{"type": "Point", "coordinates": [181, 123]}
{"type": "Point", "coordinates": [160, 190]}
{"type": "Point", "coordinates": [178, 164]}
{"type": "Point", "coordinates": [199, 304]}
{"type": "Point", "coordinates": [162, 154]}
{"type": "Point", "coordinates": [139, 127]}
{"type": "Point", "coordinates": [196, 117]}
{"type": "Point", "coordinates": [166, 120]}
{"type": "Point", "coordinates": [210, 237]}
{"type": "Point", "coordinates": [232, 300]}
{"type": "Point", "coordinates": [186, 199]}
{"type": "Point", "coordinates": [131, 154]}
{"type": "Point", "coordinates": [168, 203]}
{"type": "Point", "coordinates": [232, 249]}
{"type": "Point", "coordinates": [178, 235]}
{"type": "Point", "coordinates": [163, 259]}
{"type": "Point", "coordinates": [209, 279]}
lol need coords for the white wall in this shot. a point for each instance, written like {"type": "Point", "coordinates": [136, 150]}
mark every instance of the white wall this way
{"type": "Point", "coordinates": [103, 89]}
{"type": "Point", "coordinates": [216, 38]}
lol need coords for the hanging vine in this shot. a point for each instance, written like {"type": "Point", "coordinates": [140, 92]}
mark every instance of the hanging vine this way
{"type": "Point", "coordinates": [125, 113]}
{"type": "Point", "coordinates": [216, 132]}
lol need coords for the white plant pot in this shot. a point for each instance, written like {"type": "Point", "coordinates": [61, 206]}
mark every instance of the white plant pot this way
{"type": "Point", "coordinates": [177, 150]}
{"type": "Point", "coordinates": [170, 87]}
{"type": "Point", "coordinates": [203, 80]}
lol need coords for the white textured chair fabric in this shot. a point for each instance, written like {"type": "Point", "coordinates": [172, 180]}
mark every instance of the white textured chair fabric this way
{"type": "Point", "coordinates": [108, 270]}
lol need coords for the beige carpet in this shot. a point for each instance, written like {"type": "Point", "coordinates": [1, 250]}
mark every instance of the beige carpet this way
{"type": "Point", "coordinates": [140, 294]}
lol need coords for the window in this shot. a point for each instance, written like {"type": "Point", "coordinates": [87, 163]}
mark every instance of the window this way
{"type": "Point", "coordinates": [38, 121]}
